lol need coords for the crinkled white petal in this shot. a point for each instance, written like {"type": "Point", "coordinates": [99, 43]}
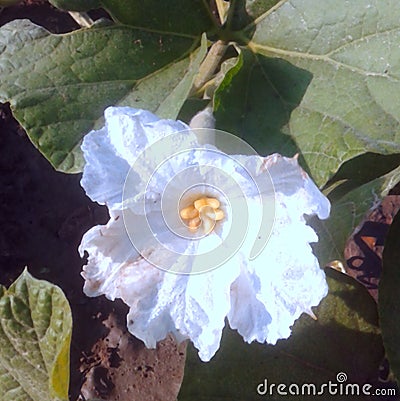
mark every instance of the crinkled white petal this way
{"type": "Point", "coordinates": [301, 195]}
{"type": "Point", "coordinates": [285, 280]}
{"type": "Point", "coordinates": [132, 130]}
{"type": "Point", "coordinates": [111, 256]}
{"type": "Point", "coordinates": [111, 152]}
{"type": "Point", "coordinates": [248, 314]}
{"type": "Point", "coordinates": [261, 295]}
{"type": "Point", "coordinates": [105, 172]}
{"type": "Point", "coordinates": [188, 306]}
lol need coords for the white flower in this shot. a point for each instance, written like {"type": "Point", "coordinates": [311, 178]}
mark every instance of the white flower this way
{"type": "Point", "coordinates": [178, 208]}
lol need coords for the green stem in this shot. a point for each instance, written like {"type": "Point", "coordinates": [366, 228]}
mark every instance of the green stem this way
{"type": "Point", "coordinates": [210, 65]}
{"type": "Point", "coordinates": [82, 19]}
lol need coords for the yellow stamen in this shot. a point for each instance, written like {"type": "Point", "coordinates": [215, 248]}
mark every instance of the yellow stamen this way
{"type": "Point", "coordinates": [189, 212]}
{"type": "Point", "coordinates": [214, 203]}
{"type": "Point", "coordinates": [194, 223]}
{"type": "Point", "coordinates": [204, 212]}
{"type": "Point", "coordinates": [216, 214]}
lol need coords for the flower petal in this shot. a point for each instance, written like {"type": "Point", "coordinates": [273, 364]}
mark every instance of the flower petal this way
{"type": "Point", "coordinates": [290, 279]}
{"type": "Point", "coordinates": [248, 315]}
{"type": "Point", "coordinates": [116, 267]}
{"type": "Point", "coordinates": [207, 304]}
{"type": "Point", "coordinates": [301, 195]}
{"type": "Point", "coordinates": [105, 172]}
{"type": "Point", "coordinates": [188, 306]}
{"type": "Point", "coordinates": [268, 278]}
{"type": "Point", "coordinates": [111, 152]}
{"type": "Point", "coordinates": [285, 279]}
{"type": "Point", "coordinates": [132, 131]}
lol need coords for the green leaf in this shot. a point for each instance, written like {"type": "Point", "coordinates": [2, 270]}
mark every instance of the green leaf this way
{"type": "Point", "coordinates": [184, 16]}
{"type": "Point", "coordinates": [347, 321]}
{"type": "Point", "coordinates": [351, 48]}
{"type": "Point", "coordinates": [255, 99]}
{"type": "Point", "coordinates": [191, 17]}
{"type": "Point", "coordinates": [389, 305]}
{"type": "Point", "coordinates": [347, 213]}
{"type": "Point", "coordinates": [255, 8]}
{"type": "Point", "coordinates": [35, 335]}
{"type": "Point", "coordinates": [59, 85]}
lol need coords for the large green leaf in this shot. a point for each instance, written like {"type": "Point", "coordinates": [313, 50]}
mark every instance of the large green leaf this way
{"type": "Point", "coordinates": [191, 17]}
{"type": "Point", "coordinates": [389, 299]}
{"type": "Point", "coordinates": [184, 16]}
{"type": "Point", "coordinates": [351, 48]}
{"type": "Point", "coordinates": [347, 213]}
{"type": "Point", "coordinates": [59, 85]}
{"type": "Point", "coordinates": [345, 338]}
{"type": "Point", "coordinates": [35, 335]}
{"type": "Point", "coordinates": [255, 99]}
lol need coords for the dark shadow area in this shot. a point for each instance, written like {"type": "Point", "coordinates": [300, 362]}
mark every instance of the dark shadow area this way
{"type": "Point", "coordinates": [366, 167]}
{"type": "Point", "coordinates": [313, 355]}
{"type": "Point", "coordinates": [56, 21]}
{"type": "Point", "coordinates": [237, 20]}
{"type": "Point", "coordinates": [274, 83]}
{"type": "Point", "coordinates": [43, 216]}
{"type": "Point", "coordinates": [361, 170]}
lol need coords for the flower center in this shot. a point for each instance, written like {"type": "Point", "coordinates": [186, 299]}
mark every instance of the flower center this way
{"type": "Point", "coordinates": [204, 212]}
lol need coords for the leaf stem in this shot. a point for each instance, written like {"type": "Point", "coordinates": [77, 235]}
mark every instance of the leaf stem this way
{"type": "Point", "coordinates": [210, 65]}
{"type": "Point", "coordinates": [81, 18]}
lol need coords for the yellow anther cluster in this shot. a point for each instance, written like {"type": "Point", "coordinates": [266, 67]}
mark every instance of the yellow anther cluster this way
{"type": "Point", "coordinates": [203, 210]}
